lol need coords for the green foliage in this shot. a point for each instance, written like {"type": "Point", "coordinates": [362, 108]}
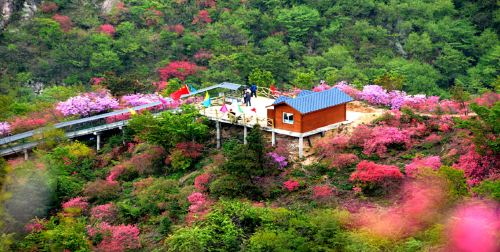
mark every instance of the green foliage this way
{"type": "Point", "coordinates": [261, 78]}
{"type": "Point", "coordinates": [488, 189]}
{"type": "Point", "coordinates": [485, 127]}
{"type": "Point", "coordinates": [60, 233]}
{"type": "Point", "coordinates": [298, 21]}
{"type": "Point", "coordinates": [125, 85]}
{"type": "Point", "coordinates": [170, 128]}
{"type": "Point", "coordinates": [457, 185]}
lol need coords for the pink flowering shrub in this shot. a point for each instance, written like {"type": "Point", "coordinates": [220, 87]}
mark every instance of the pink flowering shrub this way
{"type": "Point", "coordinates": [118, 118]}
{"type": "Point", "coordinates": [4, 128]}
{"type": "Point", "coordinates": [327, 147]}
{"type": "Point", "coordinates": [34, 225]}
{"type": "Point", "coordinates": [360, 135]}
{"type": "Point", "coordinates": [201, 182]}
{"type": "Point", "coordinates": [202, 55]}
{"type": "Point", "coordinates": [488, 99]}
{"type": "Point", "coordinates": [107, 29]}
{"type": "Point", "coordinates": [348, 89]}
{"type": "Point", "coordinates": [321, 87]}
{"type": "Point", "coordinates": [433, 139]}
{"type": "Point", "coordinates": [87, 104]}
{"type": "Point", "coordinates": [370, 172]}
{"type": "Point", "coordinates": [106, 212]}
{"type": "Point", "coordinates": [342, 160]}
{"type": "Point", "coordinates": [178, 28]}
{"type": "Point", "coordinates": [291, 185]}
{"type": "Point", "coordinates": [382, 138]}
{"type": "Point", "coordinates": [23, 124]}
{"type": "Point", "coordinates": [198, 208]}
{"type": "Point", "coordinates": [178, 69]}
{"type": "Point", "coordinates": [134, 100]}
{"type": "Point", "coordinates": [64, 22]}
{"type": "Point", "coordinates": [475, 166]}
{"type": "Point", "coordinates": [202, 17]}
{"type": "Point", "coordinates": [323, 191]}
{"type": "Point", "coordinates": [412, 169]}
{"type": "Point", "coordinates": [115, 238]}
{"type": "Point", "coordinates": [48, 7]}
{"type": "Point", "coordinates": [474, 227]}
{"type": "Point", "coordinates": [78, 202]}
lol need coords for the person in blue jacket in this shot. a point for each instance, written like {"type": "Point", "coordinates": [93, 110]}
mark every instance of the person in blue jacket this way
{"type": "Point", "coordinates": [253, 88]}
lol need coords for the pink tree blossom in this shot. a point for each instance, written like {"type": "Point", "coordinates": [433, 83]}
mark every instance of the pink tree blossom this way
{"type": "Point", "coordinates": [139, 99]}
{"type": "Point", "coordinates": [201, 182]}
{"type": "Point", "coordinates": [323, 191]}
{"type": "Point", "coordinates": [106, 212]}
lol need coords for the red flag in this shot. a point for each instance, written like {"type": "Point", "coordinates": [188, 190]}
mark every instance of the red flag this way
{"type": "Point", "coordinates": [254, 110]}
{"type": "Point", "coordinates": [175, 95]}
{"type": "Point", "coordinates": [184, 90]}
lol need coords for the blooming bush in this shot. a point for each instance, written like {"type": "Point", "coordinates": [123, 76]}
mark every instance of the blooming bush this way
{"type": "Point", "coordinates": [488, 99]}
{"type": "Point", "coordinates": [102, 190]}
{"type": "Point", "coordinates": [34, 225]}
{"type": "Point", "coordinates": [106, 212]}
{"type": "Point", "coordinates": [64, 21]}
{"type": "Point", "coordinates": [278, 159]}
{"type": "Point", "coordinates": [139, 99]}
{"type": "Point", "coordinates": [118, 118]}
{"type": "Point", "coordinates": [321, 87]}
{"type": "Point", "coordinates": [202, 55]}
{"type": "Point", "coordinates": [178, 28]}
{"type": "Point", "coordinates": [322, 192]}
{"type": "Point", "coordinates": [201, 182]}
{"type": "Point", "coordinates": [48, 7]}
{"type": "Point", "coordinates": [198, 208]}
{"type": "Point", "coordinates": [382, 137]}
{"type": "Point", "coordinates": [4, 128]}
{"type": "Point", "coordinates": [202, 17]}
{"type": "Point", "coordinates": [327, 147]}
{"type": "Point", "coordinates": [87, 104]}
{"type": "Point", "coordinates": [348, 89]}
{"type": "Point", "coordinates": [370, 172]}
{"type": "Point", "coordinates": [178, 69]}
{"type": "Point", "coordinates": [476, 166]}
{"type": "Point", "coordinates": [78, 202]}
{"type": "Point", "coordinates": [190, 149]}
{"type": "Point", "coordinates": [107, 29]}
{"type": "Point", "coordinates": [342, 160]}
{"type": "Point", "coordinates": [115, 238]}
{"type": "Point", "coordinates": [23, 124]}
{"type": "Point", "coordinates": [412, 168]}
{"type": "Point", "coordinates": [291, 185]}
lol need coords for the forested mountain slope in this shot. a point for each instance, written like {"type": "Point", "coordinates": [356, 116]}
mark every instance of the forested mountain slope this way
{"type": "Point", "coordinates": [426, 45]}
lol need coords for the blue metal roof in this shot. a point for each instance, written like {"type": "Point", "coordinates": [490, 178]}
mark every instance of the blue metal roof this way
{"type": "Point", "coordinates": [304, 92]}
{"type": "Point", "coordinates": [311, 101]}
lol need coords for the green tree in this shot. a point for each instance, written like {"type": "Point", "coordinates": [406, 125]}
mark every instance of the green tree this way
{"type": "Point", "coordinates": [419, 46]}
{"type": "Point", "coordinates": [261, 78]}
{"type": "Point", "coordinates": [298, 21]}
{"type": "Point", "coordinates": [304, 80]}
{"type": "Point", "coordinates": [452, 63]}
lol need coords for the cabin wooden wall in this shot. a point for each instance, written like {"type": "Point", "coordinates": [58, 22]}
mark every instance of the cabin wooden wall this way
{"type": "Point", "coordinates": [323, 117]}
{"type": "Point", "coordinates": [278, 118]}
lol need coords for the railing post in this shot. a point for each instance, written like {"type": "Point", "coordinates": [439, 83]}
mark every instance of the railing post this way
{"type": "Point", "coordinates": [244, 134]}
{"type": "Point", "coordinates": [301, 147]}
{"type": "Point", "coordinates": [25, 154]}
{"type": "Point", "coordinates": [217, 125]}
{"type": "Point", "coordinates": [98, 135]}
{"type": "Point", "coordinates": [273, 137]}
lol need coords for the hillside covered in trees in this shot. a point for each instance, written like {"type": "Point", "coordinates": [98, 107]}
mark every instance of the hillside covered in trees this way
{"type": "Point", "coordinates": [418, 170]}
{"type": "Point", "coordinates": [424, 46]}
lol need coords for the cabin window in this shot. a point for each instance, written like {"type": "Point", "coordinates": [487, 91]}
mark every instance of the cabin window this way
{"type": "Point", "coordinates": [288, 118]}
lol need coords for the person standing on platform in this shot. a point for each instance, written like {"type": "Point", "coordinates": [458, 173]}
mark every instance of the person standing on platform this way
{"type": "Point", "coordinates": [253, 89]}
{"type": "Point", "coordinates": [248, 96]}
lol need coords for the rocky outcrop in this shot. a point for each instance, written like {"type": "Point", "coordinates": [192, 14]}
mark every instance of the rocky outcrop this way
{"type": "Point", "coordinates": [6, 11]}
{"type": "Point", "coordinates": [107, 6]}
{"type": "Point", "coordinates": [9, 7]}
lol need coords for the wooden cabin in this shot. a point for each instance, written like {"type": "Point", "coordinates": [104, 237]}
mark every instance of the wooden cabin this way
{"type": "Point", "coordinates": [309, 110]}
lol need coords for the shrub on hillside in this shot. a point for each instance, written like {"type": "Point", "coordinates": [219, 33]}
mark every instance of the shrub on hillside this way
{"type": "Point", "coordinates": [201, 182]}
{"type": "Point", "coordinates": [115, 238]}
{"type": "Point", "coordinates": [412, 168]}
{"type": "Point", "coordinates": [372, 176]}
{"type": "Point", "coordinates": [87, 104]}
{"type": "Point", "coordinates": [106, 212]}
{"type": "Point", "coordinates": [102, 190]}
